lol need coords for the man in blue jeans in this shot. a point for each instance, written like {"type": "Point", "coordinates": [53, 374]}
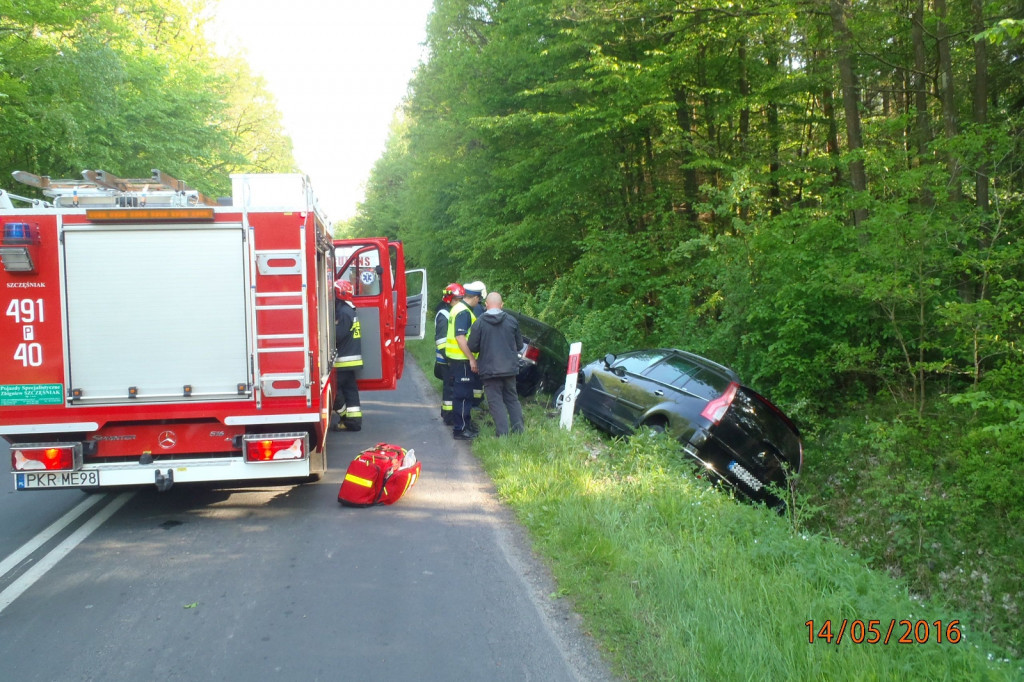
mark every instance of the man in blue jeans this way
{"type": "Point", "coordinates": [496, 338]}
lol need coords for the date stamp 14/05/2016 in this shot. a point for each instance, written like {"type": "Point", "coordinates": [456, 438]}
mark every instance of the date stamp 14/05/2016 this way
{"type": "Point", "coordinates": [878, 632]}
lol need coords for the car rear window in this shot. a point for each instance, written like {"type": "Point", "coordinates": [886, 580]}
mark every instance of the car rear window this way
{"type": "Point", "coordinates": [674, 371]}
{"type": "Point", "coordinates": [706, 383]}
{"type": "Point", "coordinates": [542, 335]}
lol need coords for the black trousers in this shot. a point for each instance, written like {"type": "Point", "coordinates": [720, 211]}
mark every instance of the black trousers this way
{"type": "Point", "coordinates": [442, 371]}
{"type": "Point", "coordinates": [463, 380]}
{"type": "Point", "coordinates": [503, 404]}
{"type": "Point", "coordinates": [346, 398]}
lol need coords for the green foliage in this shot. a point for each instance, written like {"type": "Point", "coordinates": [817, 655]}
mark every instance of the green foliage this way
{"type": "Point", "coordinates": [645, 173]}
{"type": "Point", "coordinates": [128, 87]}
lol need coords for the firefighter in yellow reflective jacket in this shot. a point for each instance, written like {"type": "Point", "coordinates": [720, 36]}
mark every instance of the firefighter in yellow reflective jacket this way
{"type": "Point", "coordinates": [462, 363]}
{"type": "Point", "coordinates": [348, 359]}
{"type": "Point", "coordinates": [478, 310]}
{"type": "Point", "coordinates": [451, 292]}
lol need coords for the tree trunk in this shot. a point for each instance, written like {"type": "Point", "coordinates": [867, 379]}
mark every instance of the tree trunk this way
{"type": "Point", "coordinates": [980, 109]}
{"type": "Point", "coordinates": [745, 94]}
{"type": "Point", "coordinates": [774, 193]}
{"type": "Point", "coordinates": [684, 118]}
{"type": "Point", "coordinates": [744, 131]}
{"type": "Point", "coordinates": [948, 97]}
{"type": "Point", "coordinates": [828, 108]}
{"type": "Point", "coordinates": [702, 83]}
{"type": "Point", "coordinates": [848, 81]}
{"type": "Point", "coordinates": [923, 133]}
{"type": "Point", "coordinates": [923, 129]}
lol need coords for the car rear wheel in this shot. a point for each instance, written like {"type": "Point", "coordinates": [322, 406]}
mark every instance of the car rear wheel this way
{"type": "Point", "coordinates": [656, 427]}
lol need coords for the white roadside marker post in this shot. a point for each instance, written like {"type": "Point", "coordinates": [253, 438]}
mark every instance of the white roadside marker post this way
{"type": "Point", "coordinates": [569, 393]}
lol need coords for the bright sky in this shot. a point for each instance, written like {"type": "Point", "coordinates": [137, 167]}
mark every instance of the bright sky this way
{"type": "Point", "coordinates": [338, 69]}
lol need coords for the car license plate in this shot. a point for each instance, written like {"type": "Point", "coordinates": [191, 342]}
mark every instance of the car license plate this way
{"type": "Point", "coordinates": [57, 479]}
{"type": "Point", "coordinates": [740, 472]}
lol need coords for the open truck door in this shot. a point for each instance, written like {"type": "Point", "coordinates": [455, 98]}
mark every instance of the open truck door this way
{"type": "Point", "coordinates": [416, 303]}
{"type": "Point", "coordinates": [414, 291]}
{"type": "Point", "coordinates": [376, 269]}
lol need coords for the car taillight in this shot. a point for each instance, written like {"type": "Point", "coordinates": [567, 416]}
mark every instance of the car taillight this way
{"type": "Point", "coordinates": [531, 354]}
{"type": "Point", "coordinates": [716, 409]}
{"type": "Point", "coordinates": [46, 457]}
{"type": "Point", "coordinates": [275, 447]}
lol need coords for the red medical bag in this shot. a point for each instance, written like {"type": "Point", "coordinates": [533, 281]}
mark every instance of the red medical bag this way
{"type": "Point", "coordinates": [379, 475]}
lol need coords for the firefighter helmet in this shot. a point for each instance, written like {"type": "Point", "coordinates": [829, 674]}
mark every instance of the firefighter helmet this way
{"type": "Point", "coordinates": [343, 288]}
{"type": "Point", "coordinates": [453, 291]}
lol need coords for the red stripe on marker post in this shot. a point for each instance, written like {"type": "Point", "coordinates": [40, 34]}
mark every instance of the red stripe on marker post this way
{"type": "Point", "coordinates": [574, 364]}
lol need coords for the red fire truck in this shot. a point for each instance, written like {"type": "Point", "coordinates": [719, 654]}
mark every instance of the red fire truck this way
{"type": "Point", "coordinates": [150, 334]}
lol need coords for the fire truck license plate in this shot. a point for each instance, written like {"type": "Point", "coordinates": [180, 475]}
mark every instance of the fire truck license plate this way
{"type": "Point", "coordinates": [57, 479]}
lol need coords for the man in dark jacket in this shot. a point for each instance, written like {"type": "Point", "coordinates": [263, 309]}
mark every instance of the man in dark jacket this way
{"type": "Point", "coordinates": [497, 339]}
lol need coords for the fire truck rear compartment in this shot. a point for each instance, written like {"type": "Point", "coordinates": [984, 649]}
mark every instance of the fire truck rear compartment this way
{"type": "Point", "coordinates": [155, 313]}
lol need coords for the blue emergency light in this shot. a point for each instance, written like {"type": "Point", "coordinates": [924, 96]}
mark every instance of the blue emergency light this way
{"type": "Point", "coordinates": [18, 247]}
{"type": "Point", "coordinates": [17, 233]}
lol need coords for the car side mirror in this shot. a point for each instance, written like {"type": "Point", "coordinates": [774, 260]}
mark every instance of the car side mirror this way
{"type": "Point", "coordinates": [608, 360]}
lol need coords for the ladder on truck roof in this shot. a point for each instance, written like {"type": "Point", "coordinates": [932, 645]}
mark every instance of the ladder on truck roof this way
{"type": "Point", "coordinates": [100, 188]}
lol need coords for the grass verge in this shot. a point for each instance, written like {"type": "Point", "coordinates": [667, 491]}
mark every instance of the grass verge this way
{"type": "Point", "coordinates": [677, 581]}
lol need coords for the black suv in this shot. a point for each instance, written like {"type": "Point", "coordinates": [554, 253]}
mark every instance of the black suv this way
{"type": "Point", "coordinates": [543, 360]}
{"type": "Point", "coordinates": [735, 434]}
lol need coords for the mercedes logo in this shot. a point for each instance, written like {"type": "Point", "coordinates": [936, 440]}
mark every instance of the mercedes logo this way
{"type": "Point", "coordinates": [167, 440]}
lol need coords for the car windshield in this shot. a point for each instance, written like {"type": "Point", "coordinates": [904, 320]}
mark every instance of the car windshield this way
{"type": "Point", "coordinates": [636, 363]}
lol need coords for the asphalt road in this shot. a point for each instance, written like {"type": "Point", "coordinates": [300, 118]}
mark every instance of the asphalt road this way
{"type": "Point", "coordinates": [281, 582]}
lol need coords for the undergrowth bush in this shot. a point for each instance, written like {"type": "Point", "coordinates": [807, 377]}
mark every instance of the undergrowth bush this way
{"type": "Point", "coordinates": [931, 502]}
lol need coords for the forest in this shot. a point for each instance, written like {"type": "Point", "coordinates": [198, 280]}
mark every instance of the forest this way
{"type": "Point", "coordinates": [825, 195]}
{"type": "Point", "coordinates": [822, 194]}
{"type": "Point", "coordinates": [127, 86]}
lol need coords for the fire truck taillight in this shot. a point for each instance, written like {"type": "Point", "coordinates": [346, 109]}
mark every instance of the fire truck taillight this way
{"type": "Point", "coordinates": [276, 447]}
{"type": "Point", "coordinates": [46, 457]}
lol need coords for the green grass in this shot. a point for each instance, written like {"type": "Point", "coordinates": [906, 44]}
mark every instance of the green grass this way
{"type": "Point", "coordinates": [677, 581]}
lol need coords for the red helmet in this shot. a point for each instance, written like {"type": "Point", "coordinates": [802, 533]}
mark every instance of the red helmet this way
{"type": "Point", "coordinates": [343, 288]}
{"type": "Point", "coordinates": [453, 291]}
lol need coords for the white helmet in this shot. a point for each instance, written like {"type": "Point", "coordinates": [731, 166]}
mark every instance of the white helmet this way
{"type": "Point", "coordinates": [476, 288]}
